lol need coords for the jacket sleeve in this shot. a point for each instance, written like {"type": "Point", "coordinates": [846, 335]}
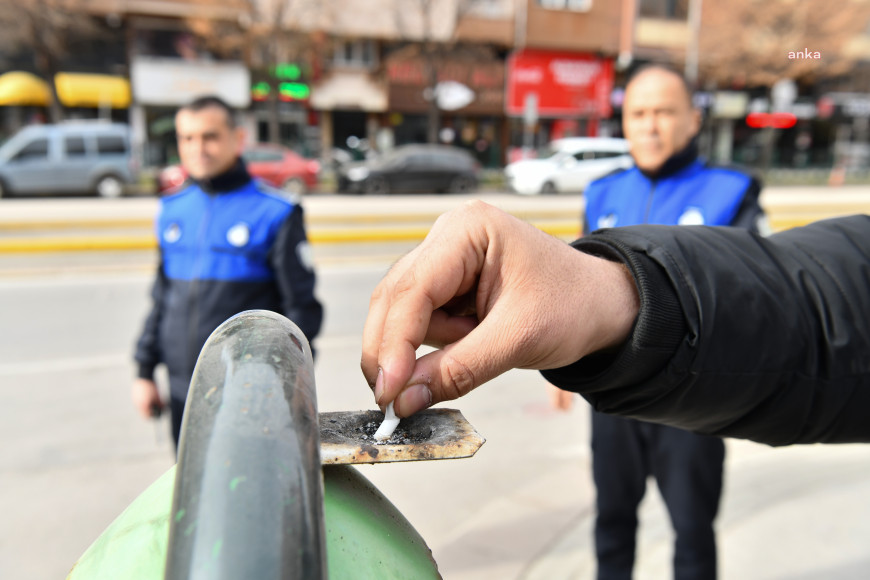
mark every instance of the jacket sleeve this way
{"type": "Point", "coordinates": [148, 354]}
{"type": "Point", "coordinates": [738, 335]}
{"type": "Point", "coordinates": [290, 257]}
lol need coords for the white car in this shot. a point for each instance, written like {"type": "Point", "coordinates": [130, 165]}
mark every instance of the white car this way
{"type": "Point", "coordinates": [575, 162]}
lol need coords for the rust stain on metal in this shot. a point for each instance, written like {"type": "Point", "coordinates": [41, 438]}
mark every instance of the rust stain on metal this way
{"type": "Point", "coordinates": [370, 450]}
{"type": "Point", "coordinates": [430, 434]}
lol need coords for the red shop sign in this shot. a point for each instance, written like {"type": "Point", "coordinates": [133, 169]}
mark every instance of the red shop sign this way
{"type": "Point", "coordinates": [566, 83]}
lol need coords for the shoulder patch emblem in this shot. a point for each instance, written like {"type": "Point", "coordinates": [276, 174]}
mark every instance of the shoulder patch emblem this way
{"type": "Point", "coordinates": [607, 221]}
{"type": "Point", "coordinates": [172, 233]}
{"type": "Point", "coordinates": [239, 235]}
{"type": "Point", "coordinates": [305, 255]}
{"type": "Point", "coordinates": [691, 217]}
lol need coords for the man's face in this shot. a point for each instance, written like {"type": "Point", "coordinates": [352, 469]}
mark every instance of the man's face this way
{"type": "Point", "coordinates": [207, 145]}
{"type": "Point", "coordinates": [657, 118]}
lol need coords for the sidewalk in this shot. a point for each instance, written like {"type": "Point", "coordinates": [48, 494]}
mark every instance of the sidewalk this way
{"type": "Point", "coordinates": [795, 513]}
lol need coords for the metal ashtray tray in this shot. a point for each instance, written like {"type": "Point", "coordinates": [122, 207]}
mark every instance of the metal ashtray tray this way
{"type": "Point", "coordinates": [347, 437]}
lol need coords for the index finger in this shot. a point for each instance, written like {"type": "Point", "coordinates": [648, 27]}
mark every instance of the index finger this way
{"type": "Point", "coordinates": [444, 266]}
{"type": "Point", "coordinates": [379, 305]}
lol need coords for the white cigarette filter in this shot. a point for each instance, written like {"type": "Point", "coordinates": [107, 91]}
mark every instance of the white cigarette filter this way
{"type": "Point", "coordinates": [389, 425]}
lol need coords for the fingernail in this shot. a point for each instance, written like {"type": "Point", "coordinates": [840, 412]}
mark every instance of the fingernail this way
{"type": "Point", "coordinates": [379, 386]}
{"type": "Point", "coordinates": [414, 398]}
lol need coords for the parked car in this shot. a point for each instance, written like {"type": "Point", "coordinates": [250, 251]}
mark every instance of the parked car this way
{"type": "Point", "coordinates": [67, 158]}
{"type": "Point", "coordinates": [413, 168]}
{"type": "Point", "coordinates": [274, 164]}
{"type": "Point", "coordinates": [574, 162]}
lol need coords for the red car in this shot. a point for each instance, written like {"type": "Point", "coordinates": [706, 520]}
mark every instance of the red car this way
{"type": "Point", "coordinates": [274, 164]}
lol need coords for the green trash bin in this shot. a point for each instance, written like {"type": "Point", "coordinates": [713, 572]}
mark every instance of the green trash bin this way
{"type": "Point", "coordinates": [248, 497]}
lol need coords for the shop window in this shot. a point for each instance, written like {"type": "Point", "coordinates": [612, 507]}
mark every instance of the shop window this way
{"type": "Point", "coordinates": [168, 43]}
{"type": "Point", "coordinates": [355, 53]}
{"type": "Point", "coordinates": [491, 8]}
{"type": "Point", "coordinates": [669, 9]}
{"type": "Point", "coordinates": [573, 5]}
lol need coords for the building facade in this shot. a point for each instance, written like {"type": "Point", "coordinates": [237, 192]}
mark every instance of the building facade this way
{"type": "Point", "coordinates": [501, 78]}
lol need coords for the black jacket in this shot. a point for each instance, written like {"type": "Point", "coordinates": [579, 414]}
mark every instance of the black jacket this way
{"type": "Point", "coordinates": [227, 245]}
{"type": "Point", "coordinates": [742, 336]}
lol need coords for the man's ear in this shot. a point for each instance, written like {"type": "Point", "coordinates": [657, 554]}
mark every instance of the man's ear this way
{"type": "Point", "coordinates": [696, 121]}
{"type": "Point", "coordinates": [241, 138]}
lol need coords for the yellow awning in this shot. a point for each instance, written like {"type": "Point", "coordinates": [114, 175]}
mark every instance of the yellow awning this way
{"type": "Point", "coordinates": [23, 88]}
{"type": "Point", "coordinates": [92, 90]}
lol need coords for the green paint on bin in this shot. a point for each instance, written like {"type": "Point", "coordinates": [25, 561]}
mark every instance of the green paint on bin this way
{"type": "Point", "coordinates": [366, 536]}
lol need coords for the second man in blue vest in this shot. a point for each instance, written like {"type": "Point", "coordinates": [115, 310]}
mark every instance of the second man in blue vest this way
{"type": "Point", "coordinates": [669, 184]}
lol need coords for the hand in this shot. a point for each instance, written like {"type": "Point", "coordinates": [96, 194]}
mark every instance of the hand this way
{"type": "Point", "coordinates": [493, 293]}
{"type": "Point", "coordinates": [146, 397]}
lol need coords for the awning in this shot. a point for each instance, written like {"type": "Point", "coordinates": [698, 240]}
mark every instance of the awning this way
{"type": "Point", "coordinates": [349, 90]}
{"type": "Point", "coordinates": [92, 90]}
{"type": "Point", "coordinates": [23, 89]}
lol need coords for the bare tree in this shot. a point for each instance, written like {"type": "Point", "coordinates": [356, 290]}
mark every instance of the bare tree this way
{"type": "Point", "coordinates": [45, 28]}
{"type": "Point", "coordinates": [430, 27]}
{"type": "Point", "coordinates": [755, 42]}
{"type": "Point", "coordinates": [266, 33]}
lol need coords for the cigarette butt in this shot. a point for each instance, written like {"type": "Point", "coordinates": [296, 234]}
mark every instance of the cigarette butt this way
{"type": "Point", "coordinates": [388, 426]}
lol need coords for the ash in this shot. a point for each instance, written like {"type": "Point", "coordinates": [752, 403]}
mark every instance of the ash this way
{"type": "Point", "coordinates": [400, 436]}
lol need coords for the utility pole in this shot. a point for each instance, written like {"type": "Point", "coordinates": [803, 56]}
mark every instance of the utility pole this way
{"type": "Point", "coordinates": [691, 71]}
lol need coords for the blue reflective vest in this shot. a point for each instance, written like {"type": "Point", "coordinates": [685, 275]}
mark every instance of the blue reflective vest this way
{"type": "Point", "coordinates": [220, 237]}
{"type": "Point", "coordinates": [697, 194]}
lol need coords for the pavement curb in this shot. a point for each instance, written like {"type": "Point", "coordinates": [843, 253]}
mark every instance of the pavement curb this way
{"type": "Point", "coordinates": [19, 245]}
{"type": "Point", "coordinates": [568, 230]}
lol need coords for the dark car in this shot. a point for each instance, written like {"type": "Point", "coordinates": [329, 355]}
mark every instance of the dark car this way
{"type": "Point", "coordinates": [276, 165]}
{"type": "Point", "coordinates": [413, 168]}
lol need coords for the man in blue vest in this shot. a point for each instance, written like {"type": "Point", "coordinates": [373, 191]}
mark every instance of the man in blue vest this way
{"type": "Point", "coordinates": [671, 185]}
{"type": "Point", "coordinates": [227, 244]}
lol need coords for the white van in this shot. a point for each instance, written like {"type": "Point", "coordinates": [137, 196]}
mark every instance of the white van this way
{"type": "Point", "coordinates": [68, 158]}
{"type": "Point", "coordinates": [571, 165]}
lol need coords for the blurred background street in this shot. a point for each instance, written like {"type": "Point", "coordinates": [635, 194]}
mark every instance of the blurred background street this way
{"type": "Point", "coordinates": [350, 104]}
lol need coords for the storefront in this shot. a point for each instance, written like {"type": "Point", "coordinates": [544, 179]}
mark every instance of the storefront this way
{"type": "Point", "coordinates": [25, 97]}
{"type": "Point", "coordinates": [470, 101]}
{"type": "Point", "coordinates": [349, 104]}
{"type": "Point", "coordinates": [280, 106]}
{"type": "Point", "coordinates": [556, 94]}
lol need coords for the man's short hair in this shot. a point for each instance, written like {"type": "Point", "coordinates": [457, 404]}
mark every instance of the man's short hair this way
{"type": "Point", "coordinates": [207, 101]}
{"type": "Point", "coordinates": [690, 92]}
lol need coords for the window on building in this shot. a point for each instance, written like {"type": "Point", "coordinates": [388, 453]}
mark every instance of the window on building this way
{"type": "Point", "coordinates": [491, 8]}
{"type": "Point", "coordinates": [573, 5]}
{"type": "Point", "coordinates": [670, 9]}
{"type": "Point", "coordinates": [355, 53]}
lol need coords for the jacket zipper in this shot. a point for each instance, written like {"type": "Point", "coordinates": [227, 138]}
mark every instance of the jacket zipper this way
{"type": "Point", "coordinates": [193, 298]}
{"type": "Point", "coordinates": [649, 201]}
